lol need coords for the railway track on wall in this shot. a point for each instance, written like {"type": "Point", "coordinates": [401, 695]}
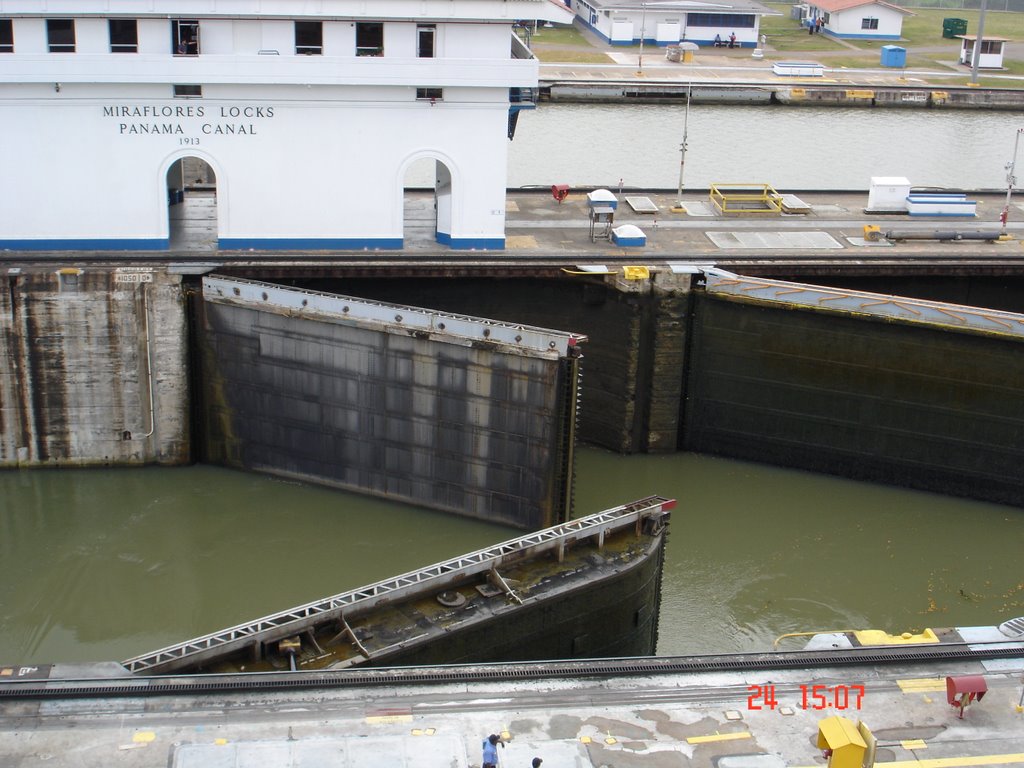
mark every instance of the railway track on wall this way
{"type": "Point", "coordinates": [77, 688]}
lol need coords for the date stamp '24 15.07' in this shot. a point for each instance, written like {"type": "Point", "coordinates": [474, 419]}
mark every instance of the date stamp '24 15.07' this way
{"type": "Point", "coordinates": [811, 697]}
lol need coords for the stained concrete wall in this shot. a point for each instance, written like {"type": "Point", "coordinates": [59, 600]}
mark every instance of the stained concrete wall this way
{"type": "Point", "coordinates": [900, 403]}
{"type": "Point", "coordinates": [93, 369]}
{"type": "Point", "coordinates": [636, 336]}
{"type": "Point", "coordinates": [477, 429]}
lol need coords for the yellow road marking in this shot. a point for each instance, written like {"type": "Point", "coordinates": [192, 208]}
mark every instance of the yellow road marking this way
{"type": "Point", "coordinates": [922, 684]}
{"type": "Point", "coordinates": [520, 241]}
{"type": "Point", "coordinates": [913, 744]}
{"type": "Point", "coordinates": [717, 737]}
{"type": "Point", "coordinates": [377, 719]}
{"type": "Point", "coordinates": [952, 762]}
{"type": "Point", "coordinates": [143, 737]}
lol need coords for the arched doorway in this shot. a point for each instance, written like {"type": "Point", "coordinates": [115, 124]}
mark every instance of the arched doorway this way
{"type": "Point", "coordinates": [192, 205]}
{"type": "Point", "coordinates": [426, 203]}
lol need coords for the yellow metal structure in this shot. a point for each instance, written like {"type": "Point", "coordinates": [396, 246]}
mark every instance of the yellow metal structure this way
{"type": "Point", "coordinates": [872, 232]}
{"type": "Point", "coordinates": [879, 637]}
{"type": "Point", "coordinates": [732, 199]}
{"type": "Point", "coordinates": [636, 273]}
{"type": "Point", "coordinates": [842, 743]}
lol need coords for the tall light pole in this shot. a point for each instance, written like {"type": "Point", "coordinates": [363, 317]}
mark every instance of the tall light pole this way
{"type": "Point", "coordinates": [643, 28]}
{"type": "Point", "coordinates": [976, 57]}
{"type": "Point", "coordinates": [1010, 181]}
{"type": "Point", "coordinates": [682, 147]}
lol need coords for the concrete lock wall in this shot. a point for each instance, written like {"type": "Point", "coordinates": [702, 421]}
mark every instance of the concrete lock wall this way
{"type": "Point", "coordinates": [329, 394]}
{"type": "Point", "coordinates": [905, 403]}
{"type": "Point", "coordinates": [93, 369]}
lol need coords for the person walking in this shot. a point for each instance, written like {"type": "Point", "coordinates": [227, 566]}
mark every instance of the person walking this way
{"type": "Point", "coordinates": [490, 745]}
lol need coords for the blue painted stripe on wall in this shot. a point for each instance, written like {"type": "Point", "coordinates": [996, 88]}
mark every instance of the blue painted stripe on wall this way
{"type": "Point", "coordinates": [310, 243]}
{"type": "Point", "coordinates": [863, 37]}
{"type": "Point", "coordinates": [86, 244]}
{"type": "Point", "coordinates": [471, 243]}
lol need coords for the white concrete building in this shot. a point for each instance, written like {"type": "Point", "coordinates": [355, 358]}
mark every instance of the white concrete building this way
{"type": "Point", "coordinates": [857, 19]}
{"type": "Point", "coordinates": [667, 22]}
{"type": "Point", "coordinates": [306, 115]}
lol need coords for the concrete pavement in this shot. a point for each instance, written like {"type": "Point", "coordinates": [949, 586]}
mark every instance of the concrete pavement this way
{"type": "Point", "coordinates": [754, 719]}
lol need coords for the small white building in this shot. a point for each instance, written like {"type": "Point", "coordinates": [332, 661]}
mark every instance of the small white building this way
{"type": "Point", "coordinates": [304, 118]}
{"type": "Point", "coordinates": [668, 22]}
{"type": "Point", "coordinates": [857, 19]}
{"type": "Point", "coordinates": [990, 55]}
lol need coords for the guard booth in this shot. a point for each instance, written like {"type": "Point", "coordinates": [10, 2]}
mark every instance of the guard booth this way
{"type": "Point", "coordinates": [991, 55]}
{"type": "Point", "coordinates": [602, 204]}
{"type": "Point", "coordinates": [845, 744]}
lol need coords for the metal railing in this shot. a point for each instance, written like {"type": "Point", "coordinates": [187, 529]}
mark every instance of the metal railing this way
{"type": "Point", "coordinates": [286, 623]}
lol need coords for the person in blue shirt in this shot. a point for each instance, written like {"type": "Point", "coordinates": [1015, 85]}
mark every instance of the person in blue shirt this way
{"type": "Point", "coordinates": [490, 759]}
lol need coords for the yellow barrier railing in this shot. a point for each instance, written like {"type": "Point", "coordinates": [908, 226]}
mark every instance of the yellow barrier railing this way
{"type": "Point", "coordinates": [745, 198]}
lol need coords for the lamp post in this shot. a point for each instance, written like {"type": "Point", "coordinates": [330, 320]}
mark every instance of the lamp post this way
{"type": "Point", "coordinates": [1010, 181]}
{"type": "Point", "coordinates": [682, 147]}
{"type": "Point", "coordinates": [643, 29]}
{"type": "Point", "coordinates": [976, 53]}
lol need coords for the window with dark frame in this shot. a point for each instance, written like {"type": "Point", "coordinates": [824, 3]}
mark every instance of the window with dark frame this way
{"type": "Point", "coordinates": [369, 38]}
{"type": "Point", "coordinates": [426, 34]}
{"type": "Point", "coordinates": [188, 91]}
{"type": "Point", "coordinates": [6, 36]}
{"type": "Point", "coordinates": [185, 37]}
{"type": "Point", "coordinates": [869, 23]}
{"type": "Point", "coordinates": [429, 94]}
{"type": "Point", "coordinates": [124, 35]}
{"type": "Point", "coordinates": [735, 20]}
{"type": "Point", "coordinates": [60, 35]}
{"type": "Point", "coordinates": [309, 38]}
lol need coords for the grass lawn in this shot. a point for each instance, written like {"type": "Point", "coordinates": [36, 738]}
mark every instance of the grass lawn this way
{"type": "Point", "coordinates": [571, 55]}
{"type": "Point", "coordinates": [922, 35]}
{"type": "Point", "coordinates": [923, 29]}
{"type": "Point", "coordinates": [565, 43]}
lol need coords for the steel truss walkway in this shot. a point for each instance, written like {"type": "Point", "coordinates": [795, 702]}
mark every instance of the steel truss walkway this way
{"type": "Point", "coordinates": [438, 576]}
